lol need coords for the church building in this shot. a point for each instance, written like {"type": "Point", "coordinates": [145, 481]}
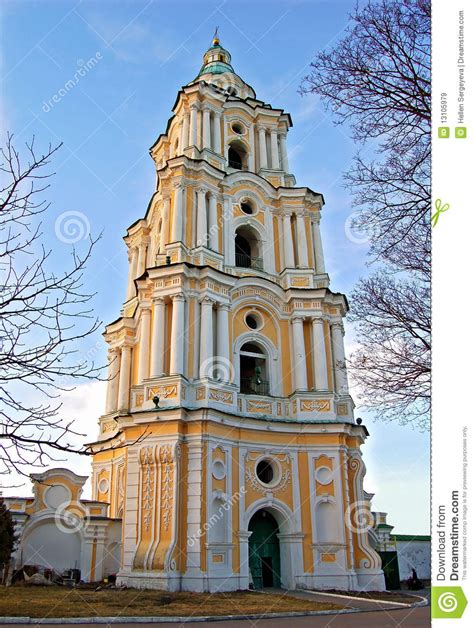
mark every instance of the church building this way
{"type": "Point", "coordinates": [228, 450]}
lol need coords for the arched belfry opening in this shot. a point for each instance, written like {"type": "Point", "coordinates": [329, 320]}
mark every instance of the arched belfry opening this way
{"type": "Point", "coordinates": [253, 370]}
{"type": "Point", "coordinates": [264, 550]}
{"type": "Point", "coordinates": [237, 156]}
{"type": "Point", "coordinates": [248, 248]}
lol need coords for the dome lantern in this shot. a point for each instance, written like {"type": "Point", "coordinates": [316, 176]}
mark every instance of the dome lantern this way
{"type": "Point", "coordinates": [216, 59]}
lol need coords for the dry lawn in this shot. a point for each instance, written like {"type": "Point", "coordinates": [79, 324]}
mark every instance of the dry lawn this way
{"type": "Point", "coordinates": [55, 601]}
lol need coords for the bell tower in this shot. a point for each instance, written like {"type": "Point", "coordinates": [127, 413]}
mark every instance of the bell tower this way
{"type": "Point", "coordinates": [228, 408]}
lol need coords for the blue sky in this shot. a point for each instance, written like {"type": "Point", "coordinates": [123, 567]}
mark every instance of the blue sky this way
{"type": "Point", "coordinates": [144, 52]}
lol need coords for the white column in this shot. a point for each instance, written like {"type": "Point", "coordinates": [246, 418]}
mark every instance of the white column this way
{"type": "Point", "coordinates": [132, 272]}
{"type": "Point", "coordinates": [112, 383]}
{"type": "Point", "coordinates": [206, 346]}
{"type": "Point", "coordinates": [196, 339]}
{"type": "Point", "coordinates": [177, 336]}
{"type": "Point", "coordinates": [284, 152]}
{"type": "Point", "coordinates": [288, 242]}
{"type": "Point", "coordinates": [141, 259]}
{"type": "Point", "coordinates": [228, 239]}
{"type": "Point", "coordinates": [217, 133]}
{"type": "Point", "coordinates": [184, 142]}
{"type": "Point", "coordinates": [281, 241]}
{"type": "Point", "coordinates": [194, 126]}
{"type": "Point", "coordinates": [165, 217]}
{"type": "Point", "coordinates": [274, 149]}
{"type": "Point", "coordinates": [124, 379]}
{"type": "Point", "coordinates": [251, 157]}
{"type": "Point", "coordinates": [320, 371]}
{"type": "Point", "coordinates": [302, 241]}
{"type": "Point", "coordinates": [224, 367]}
{"type": "Point", "coordinates": [262, 147]}
{"type": "Point", "coordinates": [206, 128]}
{"type": "Point", "coordinates": [199, 128]}
{"type": "Point", "coordinates": [213, 227]}
{"type": "Point", "coordinates": [195, 497]}
{"type": "Point", "coordinates": [299, 357]}
{"type": "Point", "coordinates": [177, 228]}
{"type": "Point", "coordinates": [318, 248]}
{"type": "Point", "coordinates": [158, 338]}
{"type": "Point", "coordinates": [340, 373]}
{"type": "Point", "coordinates": [144, 353]}
{"type": "Point", "coordinates": [201, 222]}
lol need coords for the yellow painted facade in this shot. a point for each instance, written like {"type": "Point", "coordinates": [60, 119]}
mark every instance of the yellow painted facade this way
{"type": "Point", "coordinates": [228, 411]}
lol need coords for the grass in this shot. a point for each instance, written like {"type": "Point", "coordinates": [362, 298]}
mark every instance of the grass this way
{"type": "Point", "coordinates": [55, 601]}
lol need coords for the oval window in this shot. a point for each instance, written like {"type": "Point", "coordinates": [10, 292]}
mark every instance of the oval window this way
{"type": "Point", "coordinates": [247, 207]}
{"type": "Point", "coordinates": [265, 471]}
{"type": "Point", "coordinates": [253, 320]}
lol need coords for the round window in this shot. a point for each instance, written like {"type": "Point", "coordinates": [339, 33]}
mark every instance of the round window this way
{"type": "Point", "coordinates": [324, 475]}
{"type": "Point", "coordinates": [218, 470]}
{"type": "Point", "coordinates": [247, 207]}
{"type": "Point", "coordinates": [253, 320]}
{"type": "Point", "coordinates": [265, 471]}
{"type": "Point", "coordinates": [237, 128]}
{"type": "Point", "coordinates": [103, 485]}
{"type": "Point", "coordinates": [57, 495]}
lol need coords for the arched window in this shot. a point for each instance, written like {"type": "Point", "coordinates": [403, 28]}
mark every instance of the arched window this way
{"type": "Point", "coordinates": [253, 370]}
{"type": "Point", "coordinates": [237, 155]}
{"type": "Point", "coordinates": [248, 248]}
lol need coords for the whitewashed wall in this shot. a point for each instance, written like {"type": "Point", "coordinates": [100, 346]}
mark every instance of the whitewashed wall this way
{"type": "Point", "coordinates": [415, 554]}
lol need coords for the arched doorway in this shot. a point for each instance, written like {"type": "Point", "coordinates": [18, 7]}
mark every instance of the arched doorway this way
{"type": "Point", "coordinates": [264, 550]}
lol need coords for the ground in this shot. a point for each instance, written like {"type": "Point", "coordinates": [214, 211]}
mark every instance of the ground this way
{"type": "Point", "coordinates": [55, 601]}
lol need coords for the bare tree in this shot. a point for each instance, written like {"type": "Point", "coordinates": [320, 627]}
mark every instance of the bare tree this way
{"type": "Point", "coordinates": [44, 314]}
{"type": "Point", "coordinates": [376, 79]}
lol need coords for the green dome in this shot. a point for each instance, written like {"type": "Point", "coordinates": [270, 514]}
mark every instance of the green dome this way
{"type": "Point", "coordinates": [216, 60]}
{"type": "Point", "coordinates": [215, 68]}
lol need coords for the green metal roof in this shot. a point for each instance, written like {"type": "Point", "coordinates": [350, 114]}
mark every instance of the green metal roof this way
{"type": "Point", "coordinates": [212, 65]}
{"type": "Point", "coordinates": [215, 67]}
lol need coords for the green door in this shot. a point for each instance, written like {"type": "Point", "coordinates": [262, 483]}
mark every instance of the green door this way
{"type": "Point", "coordinates": [264, 550]}
{"type": "Point", "coordinates": [390, 569]}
